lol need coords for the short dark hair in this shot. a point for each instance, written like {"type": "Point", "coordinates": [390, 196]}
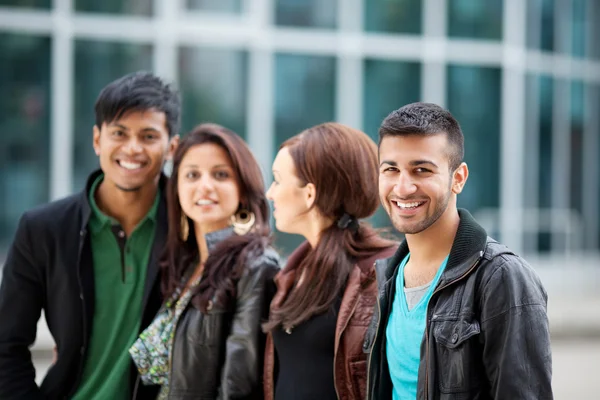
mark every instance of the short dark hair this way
{"type": "Point", "coordinates": [421, 119]}
{"type": "Point", "coordinates": [139, 91]}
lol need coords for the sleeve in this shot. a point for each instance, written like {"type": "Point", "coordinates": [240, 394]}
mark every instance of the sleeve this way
{"type": "Point", "coordinates": [244, 348]}
{"type": "Point", "coordinates": [21, 301]}
{"type": "Point", "coordinates": [516, 349]}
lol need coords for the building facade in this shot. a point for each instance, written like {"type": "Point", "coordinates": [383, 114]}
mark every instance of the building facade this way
{"type": "Point", "coordinates": [521, 76]}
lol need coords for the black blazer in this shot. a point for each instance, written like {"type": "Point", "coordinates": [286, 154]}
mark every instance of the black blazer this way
{"type": "Point", "coordinates": [49, 267]}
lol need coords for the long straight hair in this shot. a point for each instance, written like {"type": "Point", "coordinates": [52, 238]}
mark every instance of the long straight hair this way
{"type": "Point", "coordinates": [342, 164]}
{"type": "Point", "coordinates": [227, 260]}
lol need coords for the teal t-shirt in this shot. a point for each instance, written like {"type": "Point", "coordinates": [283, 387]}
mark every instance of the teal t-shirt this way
{"type": "Point", "coordinates": [404, 334]}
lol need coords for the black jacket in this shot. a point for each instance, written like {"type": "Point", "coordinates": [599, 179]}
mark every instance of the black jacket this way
{"type": "Point", "coordinates": [49, 267]}
{"type": "Point", "coordinates": [219, 354]}
{"type": "Point", "coordinates": [486, 334]}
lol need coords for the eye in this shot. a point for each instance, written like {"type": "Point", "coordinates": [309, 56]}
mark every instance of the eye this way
{"type": "Point", "coordinates": [275, 181]}
{"type": "Point", "coordinates": [150, 137]}
{"type": "Point", "coordinates": [422, 170]}
{"type": "Point", "coordinates": [221, 175]}
{"type": "Point", "coordinates": [191, 175]}
{"type": "Point", "coordinates": [118, 133]}
{"type": "Point", "coordinates": [390, 169]}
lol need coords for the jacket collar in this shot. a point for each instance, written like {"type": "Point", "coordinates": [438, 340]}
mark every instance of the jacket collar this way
{"type": "Point", "coordinates": [469, 244]}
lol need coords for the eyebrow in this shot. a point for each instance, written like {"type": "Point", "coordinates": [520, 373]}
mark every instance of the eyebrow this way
{"type": "Point", "coordinates": [421, 162]}
{"type": "Point", "coordinates": [123, 127]}
{"type": "Point", "coordinates": [214, 167]}
{"type": "Point", "coordinates": [411, 163]}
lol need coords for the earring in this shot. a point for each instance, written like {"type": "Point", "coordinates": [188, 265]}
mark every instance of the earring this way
{"type": "Point", "coordinates": [242, 221]}
{"type": "Point", "coordinates": [185, 227]}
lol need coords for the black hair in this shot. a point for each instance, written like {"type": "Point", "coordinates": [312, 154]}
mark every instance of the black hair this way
{"type": "Point", "coordinates": [139, 91]}
{"type": "Point", "coordinates": [422, 119]}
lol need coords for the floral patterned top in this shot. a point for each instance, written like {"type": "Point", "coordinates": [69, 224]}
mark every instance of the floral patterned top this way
{"type": "Point", "coordinates": [151, 351]}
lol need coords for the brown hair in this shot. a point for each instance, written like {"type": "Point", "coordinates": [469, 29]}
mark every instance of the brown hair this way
{"type": "Point", "coordinates": [342, 164]}
{"type": "Point", "coordinates": [227, 260]}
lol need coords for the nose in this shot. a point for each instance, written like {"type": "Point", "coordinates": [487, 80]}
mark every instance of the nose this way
{"type": "Point", "coordinates": [405, 186]}
{"type": "Point", "coordinates": [269, 192]}
{"type": "Point", "coordinates": [205, 184]}
{"type": "Point", "coordinates": [133, 146]}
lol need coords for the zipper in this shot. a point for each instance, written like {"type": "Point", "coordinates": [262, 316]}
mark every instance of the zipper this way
{"type": "Point", "coordinates": [335, 355]}
{"type": "Point", "coordinates": [374, 339]}
{"type": "Point", "coordinates": [82, 235]}
{"type": "Point", "coordinates": [427, 323]}
{"type": "Point", "coordinates": [136, 387]}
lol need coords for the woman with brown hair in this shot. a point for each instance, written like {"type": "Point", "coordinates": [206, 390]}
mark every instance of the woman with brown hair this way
{"type": "Point", "coordinates": [324, 183]}
{"type": "Point", "coordinates": [206, 341]}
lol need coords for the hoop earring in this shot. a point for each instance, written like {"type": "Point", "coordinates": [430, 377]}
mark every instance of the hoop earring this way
{"type": "Point", "coordinates": [242, 221]}
{"type": "Point", "coordinates": [185, 227]}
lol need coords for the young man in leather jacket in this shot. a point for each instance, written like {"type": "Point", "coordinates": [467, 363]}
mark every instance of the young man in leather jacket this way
{"type": "Point", "coordinates": [458, 315]}
{"type": "Point", "coordinates": [90, 261]}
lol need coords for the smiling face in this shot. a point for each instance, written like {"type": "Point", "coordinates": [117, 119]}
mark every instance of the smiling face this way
{"type": "Point", "coordinates": [208, 187]}
{"type": "Point", "coordinates": [133, 149]}
{"type": "Point", "coordinates": [416, 186]}
{"type": "Point", "coordinates": [291, 198]}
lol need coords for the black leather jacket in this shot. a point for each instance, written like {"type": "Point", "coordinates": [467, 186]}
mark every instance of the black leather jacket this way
{"type": "Point", "coordinates": [219, 355]}
{"type": "Point", "coordinates": [486, 334]}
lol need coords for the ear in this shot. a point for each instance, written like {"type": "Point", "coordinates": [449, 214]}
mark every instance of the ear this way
{"type": "Point", "coordinates": [459, 178]}
{"type": "Point", "coordinates": [173, 143]}
{"type": "Point", "coordinates": [310, 193]}
{"type": "Point", "coordinates": [96, 140]}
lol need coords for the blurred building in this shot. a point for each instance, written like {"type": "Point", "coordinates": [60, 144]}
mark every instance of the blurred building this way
{"type": "Point", "coordinates": [521, 76]}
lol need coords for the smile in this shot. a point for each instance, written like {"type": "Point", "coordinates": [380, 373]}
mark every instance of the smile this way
{"type": "Point", "coordinates": [408, 206]}
{"type": "Point", "coordinates": [130, 165]}
{"type": "Point", "coordinates": [205, 202]}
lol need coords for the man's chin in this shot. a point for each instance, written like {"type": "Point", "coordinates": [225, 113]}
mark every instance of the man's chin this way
{"type": "Point", "coordinates": [129, 188]}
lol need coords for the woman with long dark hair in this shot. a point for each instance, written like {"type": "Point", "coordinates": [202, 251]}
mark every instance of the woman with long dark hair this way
{"type": "Point", "coordinates": [324, 183]}
{"type": "Point", "coordinates": [206, 341]}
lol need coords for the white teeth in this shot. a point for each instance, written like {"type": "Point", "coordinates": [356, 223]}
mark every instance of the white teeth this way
{"type": "Point", "coordinates": [130, 165]}
{"type": "Point", "coordinates": [204, 202]}
{"type": "Point", "coordinates": [407, 205]}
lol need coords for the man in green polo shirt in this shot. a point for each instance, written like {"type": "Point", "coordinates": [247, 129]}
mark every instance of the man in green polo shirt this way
{"type": "Point", "coordinates": [90, 261]}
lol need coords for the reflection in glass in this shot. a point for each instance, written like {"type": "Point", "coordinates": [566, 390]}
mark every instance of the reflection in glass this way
{"type": "Point", "coordinates": [546, 99]}
{"type": "Point", "coordinates": [306, 13]}
{"type": "Point", "coordinates": [96, 65]}
{"type": "Point", "coordinates": [547, 34]}
{"type": "Point", "coordinates": [388, 86]}
{"type": "Point", "coordinates": [213, 86]}
{"type": "Point", "coordinates": [24, 128]}
{"type": "Point", "coordinates": [133, 7]}
{"type": "Point", "coordinates": [577, 126]}
{"type": "Point", "coordinates": [393, 16]}
{"type": "Point", "coordinates": [475, 19]}
{"type": "Point", "coordinates": [474, 99]}
{"type": "Point", "coordinates": [304, 97]}
{"type": "Point", "coordinates": [231, 6]}
{"type": "Point", "coordinates": [579, 27]}
{"type": "Point", "coordinates": [26, 3]}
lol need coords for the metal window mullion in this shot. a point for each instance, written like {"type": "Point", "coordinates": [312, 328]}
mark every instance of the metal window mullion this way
{"type": "Point", "coordinates": [434, 52]}
{"type": "Point", "coordinates": [61, 108]}
{"type": "Point", "coordinates": [260, 108]}
{"type": "Point", "coordinates": [349, 74]}
{"type": "Point", "coordinates": [591, 170]}
{"type": "Point", "coordinates": [165, 39]}
{"type": "Point", "coordinates": [561, 127]}
{"type": "Point", "coordinates": [512, 141]}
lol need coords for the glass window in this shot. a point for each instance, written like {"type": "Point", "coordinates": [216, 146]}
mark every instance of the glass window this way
{"type": "Point", "coordinates": [24, 127]}
{"type": "Point", "coordinates": [230, 6]}
{"type": "Point", "coordinates": [306, 13]}
{"type": "Point", "coordinates": [96, 65]}
{"type": "Point", "coordinates": [577, 126]}
{"type": "Point", "coordinates": [593, 18]}
{"type": "Point", "coordinates": [213, 86]}
{"type": "Point", "coordinates": [546, 100]}
{"type": "Point", "coordinates": [540, 24]}
{"type": "Point", "coordinates": [474, 99]}
{"type": "Point", "coordinates": [388, 86]}
{"type": "Point", "coordinates": [26, 3]}
{"type": "Point", "coordinates": [579, 26]}
{"type": "Point", "coordinates": [394, 16]}
{"type": "Point", "coordinates": [304, 97]}
{"type": "Point", "coordinates": [134, 7]}
{"type": "Point", "coordinates": [475, 19]}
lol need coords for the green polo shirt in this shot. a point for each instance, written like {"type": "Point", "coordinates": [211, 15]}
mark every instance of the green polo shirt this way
{"type": "Point", "coordinates": [120, 265]}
